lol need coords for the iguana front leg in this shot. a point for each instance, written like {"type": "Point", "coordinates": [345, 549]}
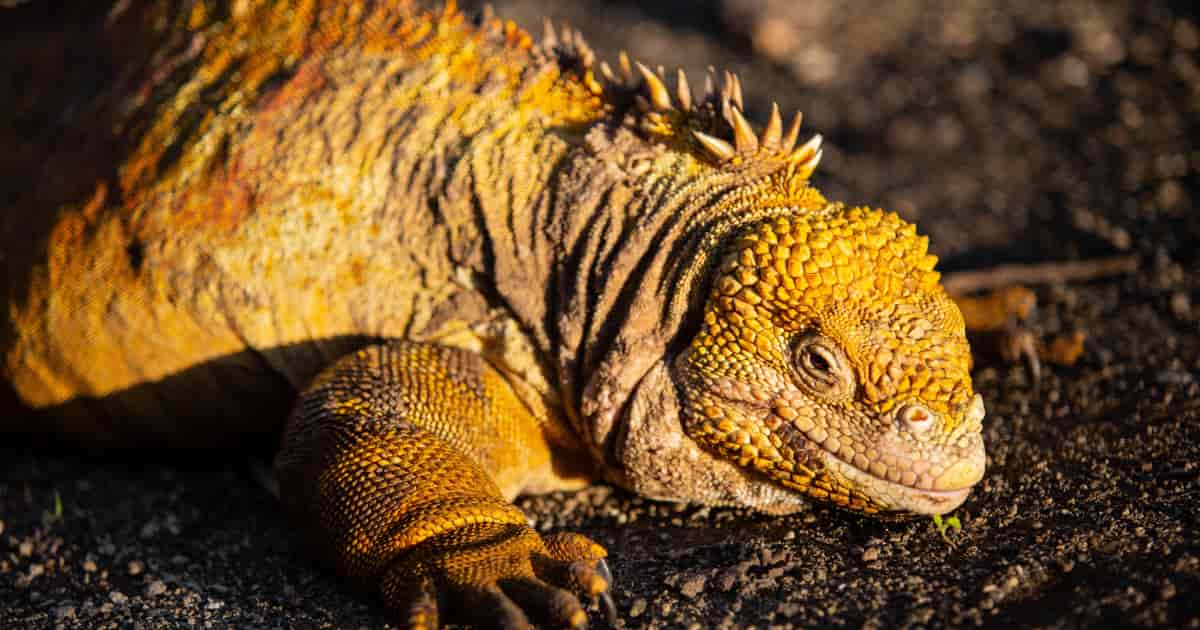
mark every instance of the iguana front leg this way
{"type": "Point", "coordinates": [399, 461]}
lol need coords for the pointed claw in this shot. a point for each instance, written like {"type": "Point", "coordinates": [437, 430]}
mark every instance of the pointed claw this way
{"type": "Point", "coordinates": [604, 572]}
{"type": "Point", "coordinates": [610, 609]}
{"type": "Point", "coordinates": [1027, 348]}
{"type": "Point", "coordinates": [606, 598]}
{"type": "Point", "coordinates": [1018, 344]}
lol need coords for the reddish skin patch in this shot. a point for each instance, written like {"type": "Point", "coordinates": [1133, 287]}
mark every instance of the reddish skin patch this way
{"type": "Point", "coordinates": [308, 79]}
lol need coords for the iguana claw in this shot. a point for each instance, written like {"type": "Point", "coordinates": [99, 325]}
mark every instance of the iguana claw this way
{"type": "Point", "coordinates": [606, 599]}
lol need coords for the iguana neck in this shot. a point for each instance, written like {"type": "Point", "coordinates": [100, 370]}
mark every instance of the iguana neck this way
{"type": "Point", "coordinates": [601, 245]}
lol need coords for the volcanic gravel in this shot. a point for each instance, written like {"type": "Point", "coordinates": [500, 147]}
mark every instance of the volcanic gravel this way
{"type": "Point", "coordinates": [1011, 131]}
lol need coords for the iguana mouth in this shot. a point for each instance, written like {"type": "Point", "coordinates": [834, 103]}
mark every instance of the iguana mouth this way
{"type": "Point", "coordinates": [893, 496]}
{"type": "Point", "coordinates": [922, 488]}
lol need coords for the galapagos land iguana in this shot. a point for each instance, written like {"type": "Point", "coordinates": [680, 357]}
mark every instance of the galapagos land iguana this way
{"type": "Point", "coordinates": [474, 266]}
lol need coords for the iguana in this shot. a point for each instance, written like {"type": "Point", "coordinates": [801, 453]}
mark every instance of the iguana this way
{"type": "Point", "coordinates": [474, 266]}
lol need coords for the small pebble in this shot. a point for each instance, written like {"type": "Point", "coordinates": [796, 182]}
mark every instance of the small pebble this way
{"type": "Point", "coordinates": [872, 553]}
{"type": "Point", "coordinates": [638, 607]}
{"type": "Point", "coordinates": [156, 588]}
{"type": "Point", "coordinates": [136, 567]}
{"type": "Point", "coordinates": [118, 598]}
{"type": "Point", "coordinates": [89, 566]}
{"type": "Point", "coordinates": [693, 586]}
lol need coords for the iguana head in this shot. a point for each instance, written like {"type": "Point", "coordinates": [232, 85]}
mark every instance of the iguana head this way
{"type": "Point", "coordinates": [831, 361]}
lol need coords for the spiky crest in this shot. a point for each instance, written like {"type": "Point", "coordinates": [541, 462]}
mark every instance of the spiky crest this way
{"type": "Point", "coordinates": [715, 123]}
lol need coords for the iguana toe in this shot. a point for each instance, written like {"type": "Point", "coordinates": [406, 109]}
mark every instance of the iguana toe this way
{"type": "Point", "coordinates": [496, 576]}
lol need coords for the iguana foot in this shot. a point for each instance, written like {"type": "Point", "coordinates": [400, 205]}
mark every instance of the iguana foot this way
{"type": "Point", "coordinates": [998, 316]}
{"type": "Point", "coordinates": [498, 575]}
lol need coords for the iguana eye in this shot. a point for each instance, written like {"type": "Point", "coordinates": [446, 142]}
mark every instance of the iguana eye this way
{"type": "Point", "coordinates": [822, 367]}
{"type": "Point", "coordinates": [818, 360]}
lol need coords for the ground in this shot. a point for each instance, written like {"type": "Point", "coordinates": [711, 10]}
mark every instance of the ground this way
{"type": "Point", "coordinates": [1012, 132]}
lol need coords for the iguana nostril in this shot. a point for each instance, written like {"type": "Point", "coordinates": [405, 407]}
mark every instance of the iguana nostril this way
{"type": "Point", "coordinates": [915, 417]}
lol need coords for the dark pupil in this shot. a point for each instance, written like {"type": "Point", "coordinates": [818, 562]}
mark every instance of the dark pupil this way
{"type": "Point", "coordinates": [817, 361]}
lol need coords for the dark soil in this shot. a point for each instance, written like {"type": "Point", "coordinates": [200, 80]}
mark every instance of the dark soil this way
{"type": "Point", "coordinates": [1018, 131]}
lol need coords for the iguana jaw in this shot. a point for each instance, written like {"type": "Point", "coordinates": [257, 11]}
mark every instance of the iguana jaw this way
{"type": "Point", "coordinates": [898, 497]}
{"type": "Point", "coordinates": [886, 472]}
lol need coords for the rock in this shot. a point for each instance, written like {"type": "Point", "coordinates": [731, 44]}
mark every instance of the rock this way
{"type": "Point", "coordinates": [693, 586]}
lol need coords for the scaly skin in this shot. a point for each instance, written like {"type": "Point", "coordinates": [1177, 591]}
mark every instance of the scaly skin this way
{"type": "Point", "coordinates": [579, 277]}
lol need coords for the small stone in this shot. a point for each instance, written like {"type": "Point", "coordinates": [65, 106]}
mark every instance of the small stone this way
{"type": "Point", "coordinates": [638, 607]}
{"type": "Point", "coordinates": [89, 566]}
{"type": "Point", "coordinates": [149, 530]}
{"type": "Point", "coordinates": [63, 612]}
{"type": "Point", "coordinates": [693, 586]}
{"type": "Point", "coordinates": [156, 588]}
{"type": "Point", "coordinates": [25, 548]}
{"type": "Point", "coordinates": [871, 554]}
{"type": "Point", "coordinates": [136, 567]}
{"type": "Point", "coordinates": [118, 598]}
{"type": "Point", "coordinates": [36, 569]}
{"type": "Point", "coordinates": [1, 526]}
{"type": "Point", "coordinates": [1181, 306]}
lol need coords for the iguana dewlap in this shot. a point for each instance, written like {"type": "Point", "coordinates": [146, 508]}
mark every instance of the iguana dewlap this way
{"type": "Point", "coordinates": [475, 267]}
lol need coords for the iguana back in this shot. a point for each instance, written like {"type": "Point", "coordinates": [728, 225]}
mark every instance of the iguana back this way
{"type": "Point", "coordinates": [294, 183]}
